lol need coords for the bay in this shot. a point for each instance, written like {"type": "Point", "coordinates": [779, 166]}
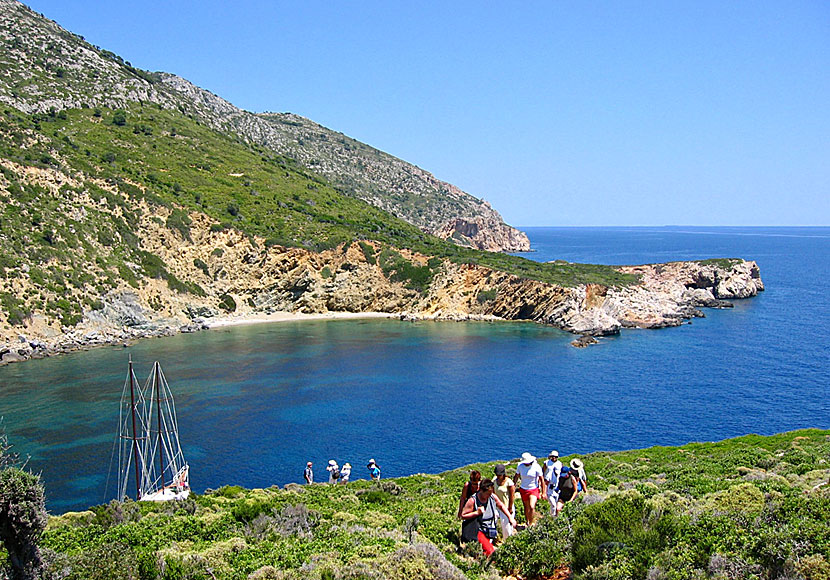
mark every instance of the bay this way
{"type": "Point", "coordinates": [256, 402]}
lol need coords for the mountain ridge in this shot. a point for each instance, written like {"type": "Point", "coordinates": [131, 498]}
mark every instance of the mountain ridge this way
{"type": "Point", "coordinates": [63, 71]}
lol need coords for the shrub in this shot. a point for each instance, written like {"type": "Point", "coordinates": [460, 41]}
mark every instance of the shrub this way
{"type": "Point", "coordinates": [227, 303]}
{"type": "Point", "coordinates": [422, 561]}
{"type": "Point", "coordinates": [537, 551]}
{"type": "Point", "coordinates": [486, 295]}
{"type": "Point", "coordinates": [180, 222]}
{"type": "Point", "coordinates": [368, 252]}
{"type": "Point", "coordinates": [22, 520]}
{"type": "Point", "coordinates": [622, 527]}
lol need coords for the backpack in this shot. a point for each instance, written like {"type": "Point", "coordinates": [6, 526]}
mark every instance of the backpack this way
{"type": "Point", "coordinates": [335, 474]}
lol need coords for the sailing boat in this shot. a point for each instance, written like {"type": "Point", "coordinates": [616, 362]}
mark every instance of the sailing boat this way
{"type": "Point", "coordinates": [149, 451]}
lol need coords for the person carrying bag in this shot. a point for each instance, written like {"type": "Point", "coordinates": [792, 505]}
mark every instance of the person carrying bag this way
{"type": "Point", "coordinates": [479, 517]}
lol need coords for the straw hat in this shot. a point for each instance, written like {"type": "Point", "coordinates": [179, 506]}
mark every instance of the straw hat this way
{"type": "Point", "coordinates": [577, 464]}
{"type": "Point", "coordinates": [527, 458]}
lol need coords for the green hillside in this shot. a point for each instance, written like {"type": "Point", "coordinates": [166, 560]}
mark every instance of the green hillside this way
{"type": "Point", "coordinates": [751, 507]}
{"type": "Point", "coordinates": [160, 158]}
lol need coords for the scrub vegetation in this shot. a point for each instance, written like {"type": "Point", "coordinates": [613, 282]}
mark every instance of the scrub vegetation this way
{"type": "Point", "coordinates": [127, 162]}
{"type": "Point", "coordinates": [753, 507]}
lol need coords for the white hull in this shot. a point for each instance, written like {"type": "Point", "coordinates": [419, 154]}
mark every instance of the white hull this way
{"type": "Point", "coordinates": [166, 494]}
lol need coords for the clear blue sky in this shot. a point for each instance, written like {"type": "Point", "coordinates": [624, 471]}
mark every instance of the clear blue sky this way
{"type": "Point", "coordinates": [558, 113]}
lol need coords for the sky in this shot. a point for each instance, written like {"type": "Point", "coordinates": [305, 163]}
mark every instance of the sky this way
{"type": "Point", "coordinates": [558, 113]}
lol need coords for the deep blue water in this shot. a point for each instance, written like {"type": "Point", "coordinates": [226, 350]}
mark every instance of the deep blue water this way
{"type": "Point", "coordinates": [255, 403]}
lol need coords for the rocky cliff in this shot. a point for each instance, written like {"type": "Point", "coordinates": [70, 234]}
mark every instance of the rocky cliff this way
{"type": "Point", "coordinates": [45, 68]}
{"type": "Point", "coordinates": [240, 275]}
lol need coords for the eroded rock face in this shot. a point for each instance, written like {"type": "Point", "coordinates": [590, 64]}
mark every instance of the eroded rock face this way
{"type": "Point", "coordinates": [485, 232]}
{"type": "Point", "coordinates": [243, 276]}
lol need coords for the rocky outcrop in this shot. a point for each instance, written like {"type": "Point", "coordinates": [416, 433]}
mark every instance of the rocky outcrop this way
{"type": "Point", "coordinates": [229, 273]}
{"type": "Point", "coordinates": [485, 232]}
{"type": "Point", "coordinates": [257, 279]}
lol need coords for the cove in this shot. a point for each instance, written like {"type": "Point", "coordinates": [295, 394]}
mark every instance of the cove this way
{"type": "Point", "coordinates": [256, 402]}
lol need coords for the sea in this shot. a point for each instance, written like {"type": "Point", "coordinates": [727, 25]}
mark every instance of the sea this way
{"type": "Point", "coordinates": [256, 402]}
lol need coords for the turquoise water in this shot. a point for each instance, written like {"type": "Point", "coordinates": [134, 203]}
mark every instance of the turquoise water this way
{"type": "Point", "coordinates": [255, 403]}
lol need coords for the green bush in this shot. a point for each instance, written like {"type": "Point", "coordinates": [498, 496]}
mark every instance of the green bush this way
{"type": "Point", "coordinates": [485, 296]}
{"type": "Point", "coordinates": [368, 252]}
{"type": "Point", "coordinates": [621, 527]}
{"type": "Point", "coordinates": [227, 303]}
{"type": "Point", "coordinates": [22, 520]}
{"type": "Point", "coordinates": [537, 551]}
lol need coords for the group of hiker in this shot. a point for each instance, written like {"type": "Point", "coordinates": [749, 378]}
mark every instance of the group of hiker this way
{"type": "Point", "coordinates": [339, 474]}
{"type": "Point", "coordinates": [484, 501]}
{"type": "Point", "coordinates": [487, 506]}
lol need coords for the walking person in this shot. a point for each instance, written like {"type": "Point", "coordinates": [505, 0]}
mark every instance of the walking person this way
{"type": "Point", "coordinates": [374, 470]}
{"type": "Point", "coordinates": [552, 470]}
{"type": "Point", "coordinates": [568, 488]}
{"type": "Point", "coordinates": [505, 490]}
{"type": "Point", "coordinates": [334, 471]}
{"type": "Point", "coordinates": [479, 515]}
{"type": "Point", "coordinates": [345, 472]}
{"type": "Point", "coordinates": [581, 478]}
{"type": "Point", "coordinates": [308, 473]}
{"type": "Point", "coordinates": [470, 487]}
{"type": "Point", "coordinates": [532, 485]}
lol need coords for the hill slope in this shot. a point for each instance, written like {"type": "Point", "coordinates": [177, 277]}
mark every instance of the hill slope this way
{"type": "Point", "coordinates": [751, 507]}
{"type": "Point", "coordinates": [47, 68]}
{"type": "Point", "coordinates": [155, 217]}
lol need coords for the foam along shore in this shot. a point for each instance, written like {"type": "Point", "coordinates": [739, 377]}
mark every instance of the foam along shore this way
{"type": "Point", "coordinates": [260, 318]}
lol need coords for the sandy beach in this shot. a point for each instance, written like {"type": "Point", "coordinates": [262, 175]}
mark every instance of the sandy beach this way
{"type": "Point", "coordinates": [259, 318]}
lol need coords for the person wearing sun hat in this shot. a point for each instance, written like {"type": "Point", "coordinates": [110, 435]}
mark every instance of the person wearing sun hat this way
{"type": "Point", "coordinates": [374, 470]}
{"type": "Point", "coordinates": [345, 472]}
{"type": "Point", "coordinates": [532, 485]}
{"type": "Point", "coordinates": [334, 471]}
{"type": "Point", "coordinates": [578, 469]}
{"type": "Point", "coordinates": [552, 468]}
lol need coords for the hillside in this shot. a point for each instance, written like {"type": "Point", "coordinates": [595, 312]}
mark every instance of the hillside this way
{"type": "Point", "coordinates": [136, 204]}
{"type": "Point", "coordinates": [750, 507]}
{"type": "Point", "coordinates": [45, 67]}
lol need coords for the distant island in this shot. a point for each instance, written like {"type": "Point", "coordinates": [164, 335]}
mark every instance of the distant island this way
{"type": "Point", "coordinates": [136, 204]}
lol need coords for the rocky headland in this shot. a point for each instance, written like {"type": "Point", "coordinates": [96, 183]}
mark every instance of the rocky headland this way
{"type": "Point", "coordinates": [243, 279]}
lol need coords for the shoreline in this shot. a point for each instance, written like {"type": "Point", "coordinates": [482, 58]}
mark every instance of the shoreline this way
{"type": "Point", "coordinates": [286, 316]}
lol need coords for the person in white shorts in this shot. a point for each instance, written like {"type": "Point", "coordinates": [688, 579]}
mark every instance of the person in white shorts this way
{"type": "Point", "coordinates": [552, 469]}
{"type": "Point", "coordinates": [506, 492]}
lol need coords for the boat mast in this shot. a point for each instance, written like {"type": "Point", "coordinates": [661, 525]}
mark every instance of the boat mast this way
{"type": "Point", "coordinates": [135, 441]}
{"type": "Point", "coordinates": [158, 406]}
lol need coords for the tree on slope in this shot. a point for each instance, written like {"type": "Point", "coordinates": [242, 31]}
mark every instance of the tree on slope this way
{"type": "Point", "coordinates": [22, 516]}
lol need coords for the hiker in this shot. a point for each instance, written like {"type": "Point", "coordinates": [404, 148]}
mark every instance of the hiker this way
{"type": "Point", "coordinates": [470, 487]}
{"type": "Point", "coordinates": [505, 490]}
{"type": "Point", "coordinates": [581, 477]}
{"type": "Point", "coordinates": [334, 471]}
{"type": "Point", "coordinates": [479, 515]}
{"type": "Point", "coordinates": [308, 473]}
{"type": "Point", "coordinates": [374, 470]}
{"type": "Point", "coordinates": [567, 488]}
{"type": "Point", "coordinates": [532, 485]}
{"type": "Point", "coordinates": [345, 472]}
{"type": "Point", "coordinates": [552, 469]}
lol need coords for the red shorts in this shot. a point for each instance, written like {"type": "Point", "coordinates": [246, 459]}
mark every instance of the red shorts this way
{"type": "Point", "coordinates": [486, 543]}
{"type": "Point", "coordinates": [526, 493]}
